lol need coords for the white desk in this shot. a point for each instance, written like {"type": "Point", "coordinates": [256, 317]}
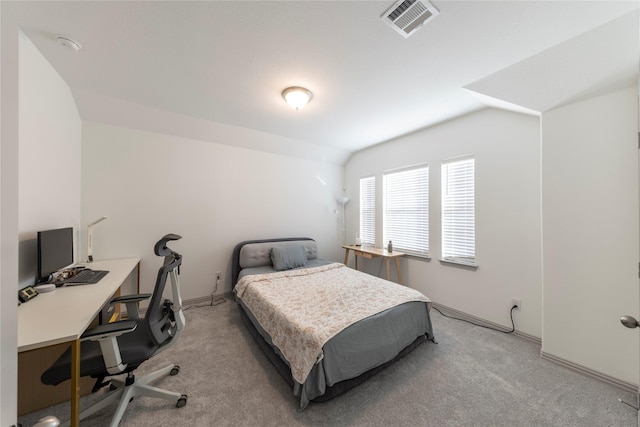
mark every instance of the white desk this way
{"type": "Point", "coordinates": [62, 316]}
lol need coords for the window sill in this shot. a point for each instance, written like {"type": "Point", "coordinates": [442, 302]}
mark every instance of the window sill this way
{"type": "Point", "coordinates": [424, 257]}
{"type": "Point", "coordinates": [469, 264]}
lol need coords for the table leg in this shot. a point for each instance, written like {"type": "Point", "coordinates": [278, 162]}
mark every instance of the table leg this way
{"type": "Point", "coordinates": [387, 268]}
{"type": "Point", "coordinates": [398, 270]}
{"type": "Point", "coordinates": [346, 256]}
{"type": "Point", "coordinates": [75, 383]}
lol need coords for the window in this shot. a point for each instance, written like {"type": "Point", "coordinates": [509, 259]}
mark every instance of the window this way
{"type": "Point", "coordinates": [368, 210]}
{"type": "Point", "coordinates": [406, 210]}
{"type": "Point", "coordinates": [458, 210]}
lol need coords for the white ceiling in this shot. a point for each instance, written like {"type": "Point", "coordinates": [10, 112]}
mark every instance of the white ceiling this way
{"type": "Point", "coordinates": [227, 62]}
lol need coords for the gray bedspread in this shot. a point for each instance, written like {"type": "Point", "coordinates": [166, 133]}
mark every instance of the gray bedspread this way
{"type": "Point", "coordinates": [357, 349]}
{"type": "Point", "coordinates": [362, 346]}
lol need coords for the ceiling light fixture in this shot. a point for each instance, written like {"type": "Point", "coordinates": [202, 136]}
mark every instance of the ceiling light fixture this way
{"type": "Point", "coordinates": [69, 43]}
{"type": "Point", "coordinates": [297, 97]}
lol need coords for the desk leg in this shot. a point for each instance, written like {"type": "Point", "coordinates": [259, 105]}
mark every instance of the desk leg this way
{"type": "Point", "coordinates": [387, 260]}
{"type": "Point", "coordinates": [75, 383]}
{"type": "Point", "coordinates": [346, 256]}
{"type": "Point", "coordinates": [398, 270]}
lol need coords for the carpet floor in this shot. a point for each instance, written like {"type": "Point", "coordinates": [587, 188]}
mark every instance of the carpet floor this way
{"type": "Point", "coordinates": [472, 377]}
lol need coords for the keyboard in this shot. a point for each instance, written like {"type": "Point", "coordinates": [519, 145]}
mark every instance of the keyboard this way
{"type": "Point", "coordinates": [86, 277]}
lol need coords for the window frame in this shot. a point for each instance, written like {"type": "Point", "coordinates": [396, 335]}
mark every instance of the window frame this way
{"type": "Point", "coordinates": [458, 247]}
{"type": "Point", "coordinates": [405, 214]}
{"type": "Point", "coordinates": [367, 206]}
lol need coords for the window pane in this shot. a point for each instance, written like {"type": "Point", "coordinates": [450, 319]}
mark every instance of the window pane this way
{"type": "Point", "coordinates": [406, 210]}
{"type": "Point", "coordinates": [458, 210]}
{"type": "Point", "coordinates": [368, 210]}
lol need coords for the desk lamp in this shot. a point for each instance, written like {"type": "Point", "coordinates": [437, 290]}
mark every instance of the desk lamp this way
{"type": "Point", "coordinates": [90, 239]}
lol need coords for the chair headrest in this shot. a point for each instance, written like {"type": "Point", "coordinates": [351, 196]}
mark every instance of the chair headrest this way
{"type": "Point", "coordinates": [161, 248]}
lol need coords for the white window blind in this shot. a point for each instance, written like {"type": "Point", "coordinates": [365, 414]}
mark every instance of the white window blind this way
{"type": "Point", "coordinates": [458, 210]}
{"type": "Point", "coordinates": [368, 210]}
{"type": "Point", "coordinates": [406, 210]}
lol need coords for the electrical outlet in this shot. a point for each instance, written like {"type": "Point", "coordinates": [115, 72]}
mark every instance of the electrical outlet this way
{"type": "Point", "coordinates": [218, 275]}
{"type": "Point", "coordinates": [516, 302]}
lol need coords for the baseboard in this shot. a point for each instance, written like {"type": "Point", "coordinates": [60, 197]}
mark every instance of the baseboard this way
{"type": "Point", "coordinates": [623, 385]}
{"type": "Point", "coordinates": [208, 299]}
{"type": "Point", "coordinates": [469, 318]}
{"type": "Point", "coordinates": [632, 388]}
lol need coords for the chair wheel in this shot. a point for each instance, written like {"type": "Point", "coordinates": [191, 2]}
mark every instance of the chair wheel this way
{"type": "Point", "coordinates": [182, 401]}
{"type": "Point", "coordinates": [175, 370]}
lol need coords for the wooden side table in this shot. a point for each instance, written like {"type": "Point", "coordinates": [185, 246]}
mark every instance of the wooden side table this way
{"type": "Point", "coordinates": [369, 252]}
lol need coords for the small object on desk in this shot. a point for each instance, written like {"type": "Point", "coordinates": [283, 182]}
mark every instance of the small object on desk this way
{"type": "Point", "coordinates": [390, 247]}
{"type": "Point", "coordinates": [358, 241]}
{"type": "Point", "coordinates": [27, 293]}
{"type": "Point", "coordinates": [45, 287]}
{"type": "Point", "coordinates": [75, 270]}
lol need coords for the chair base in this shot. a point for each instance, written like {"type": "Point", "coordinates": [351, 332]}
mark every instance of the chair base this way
{"type": "Point", "coordinates": [139, 387]}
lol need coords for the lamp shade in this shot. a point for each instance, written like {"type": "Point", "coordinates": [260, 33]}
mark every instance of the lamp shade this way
{"type": "Point", "coordinates": [297, 97]}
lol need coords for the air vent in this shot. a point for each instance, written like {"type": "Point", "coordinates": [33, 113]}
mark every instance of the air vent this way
{"type": "Point", "coordinates": [408, 16]}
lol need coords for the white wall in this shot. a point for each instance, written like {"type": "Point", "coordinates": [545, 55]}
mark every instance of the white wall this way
{"type": "Point", "coordinates": [50, 145]}
{"type": "Point", "coordinates": [9, 52]}
{"type": "Point", "coordinates": [40, 178]}
{"type": "Point", "coordinates": [590, 233]}
{"type": "Point", "coordinates": [507, 152]}
{"type": "Point", "coordinates": [213, 195]}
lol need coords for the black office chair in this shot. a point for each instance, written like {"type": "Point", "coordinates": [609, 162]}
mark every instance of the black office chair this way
{"type": "Point", "coordinates": [120, 347]}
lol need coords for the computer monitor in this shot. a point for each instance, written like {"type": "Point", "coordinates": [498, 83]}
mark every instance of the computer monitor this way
{"type": "Point", "coordinates": [55, 252]}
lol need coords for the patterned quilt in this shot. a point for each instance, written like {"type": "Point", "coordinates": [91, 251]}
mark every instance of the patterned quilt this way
{"type": "Point", "coordinates": [302, 309]}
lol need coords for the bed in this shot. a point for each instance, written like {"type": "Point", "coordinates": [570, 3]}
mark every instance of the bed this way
{"type": "Point", "coordinates": [324, 326]}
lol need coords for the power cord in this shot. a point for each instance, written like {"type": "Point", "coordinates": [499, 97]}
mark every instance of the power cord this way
{"type": "Point", "coordinates": [215, 300]}
{"type": "Point", "coordinates": [513, 325]}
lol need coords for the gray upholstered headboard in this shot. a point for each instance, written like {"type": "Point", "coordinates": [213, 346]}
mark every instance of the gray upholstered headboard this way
{"type": "Point", "coordinates": [256, 253]}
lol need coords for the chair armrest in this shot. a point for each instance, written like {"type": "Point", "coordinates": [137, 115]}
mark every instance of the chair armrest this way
{"type": "Point", "coordinates": [131, 302]}
{"type": "Point", "coordinates": [106, 335]}
{"type": "Point", "coordinates": [109, 330]}
{"type": "Point", "coordinates": [130, 298]}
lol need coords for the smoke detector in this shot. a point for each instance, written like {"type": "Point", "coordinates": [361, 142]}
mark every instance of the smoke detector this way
{"type": "Point", "coordinates": [408, 16]}
{"type": "Point", "coordinates": [69, 43]}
